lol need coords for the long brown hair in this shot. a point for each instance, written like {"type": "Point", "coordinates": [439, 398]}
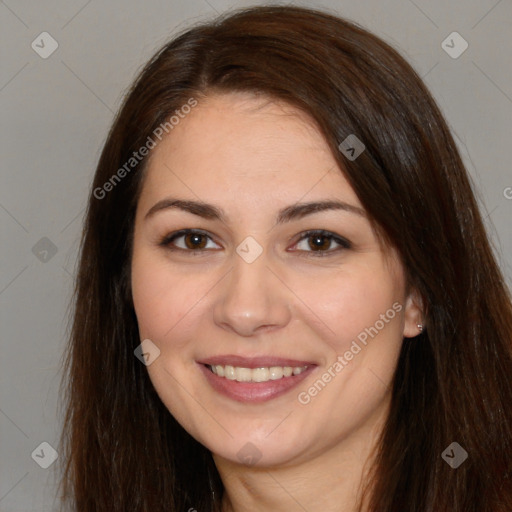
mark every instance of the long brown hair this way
{"type": "Point", "coordinates": [123, 449]}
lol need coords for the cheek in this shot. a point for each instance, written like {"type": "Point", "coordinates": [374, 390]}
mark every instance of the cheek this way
{"type": "Point", "coordinates": [364, 309]}
{"type": "Point", "coordinates": [357, 304]}
{"type": "Point", "coordinates": [165, 300]}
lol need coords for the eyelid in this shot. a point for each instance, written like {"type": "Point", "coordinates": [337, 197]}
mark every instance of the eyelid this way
{"type": "Point", "coordinates": [166, 241]}
{"type": "Point", "coordinates": [342, 242]}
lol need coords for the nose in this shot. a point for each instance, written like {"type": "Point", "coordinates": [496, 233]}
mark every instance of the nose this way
{"type": "Point", "coordinates": [252, 299]}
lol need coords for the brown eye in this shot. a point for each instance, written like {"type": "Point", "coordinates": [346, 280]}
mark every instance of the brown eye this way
{"type": "Point", "coordinates": [189, 241]}
{"type": "Point", "coordinates": [195, 241]}
{"type": "Point", "coordinates": [319, 242]}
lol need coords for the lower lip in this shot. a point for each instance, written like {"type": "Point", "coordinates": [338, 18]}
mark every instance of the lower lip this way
{"type": "Point", "coordinates": [253, 392]}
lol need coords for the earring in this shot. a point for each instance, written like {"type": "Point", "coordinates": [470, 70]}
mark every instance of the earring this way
{"type": "Point", "coordinates": [420, 327]}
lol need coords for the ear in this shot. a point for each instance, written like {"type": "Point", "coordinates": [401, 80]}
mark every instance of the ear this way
{"type": "Point", "coordinates": [413, 315]}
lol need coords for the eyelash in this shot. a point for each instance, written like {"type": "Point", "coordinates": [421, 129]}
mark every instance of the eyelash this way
{"type": "Point", "coordinates": [344, 244]}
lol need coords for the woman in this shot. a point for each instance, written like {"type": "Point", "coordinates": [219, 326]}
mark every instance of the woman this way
{"type": "Point", "coordinates": [286, 298]}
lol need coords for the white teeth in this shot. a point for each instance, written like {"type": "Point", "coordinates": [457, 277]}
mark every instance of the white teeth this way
{"type": "Point", "coordinates": [260, 374]}
{"type": "Point", "coordinates": [229, 372]}
{"type": "Point", "coordinates": [276, 373]}
{"type": "Point", "coordinates": [241, 374]}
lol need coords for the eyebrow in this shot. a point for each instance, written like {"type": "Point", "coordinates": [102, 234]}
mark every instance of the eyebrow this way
{"type": "Point", "coordinates": [288, 214]}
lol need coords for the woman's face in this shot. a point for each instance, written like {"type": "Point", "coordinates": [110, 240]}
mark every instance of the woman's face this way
{"type": "Point", "coordinates": [269, 283]}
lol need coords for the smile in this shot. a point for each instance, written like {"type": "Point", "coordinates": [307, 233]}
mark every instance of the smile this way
{"type": "Point", "coordinates": [254, 379]}
{"type": "Point", "coordinates": [263, 374]}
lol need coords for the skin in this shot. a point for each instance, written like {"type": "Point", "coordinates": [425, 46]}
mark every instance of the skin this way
{"type": "Point", "coordinates": [252, 157]}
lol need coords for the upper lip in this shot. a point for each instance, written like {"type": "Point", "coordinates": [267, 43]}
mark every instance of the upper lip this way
{"type": "Point", "coordinates": [253, 362]}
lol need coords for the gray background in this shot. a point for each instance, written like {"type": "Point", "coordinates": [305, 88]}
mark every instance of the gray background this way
{"type": "Point", "coordinates": [56, 115]}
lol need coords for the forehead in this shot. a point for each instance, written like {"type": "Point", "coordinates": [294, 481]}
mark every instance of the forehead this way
{"type": "Point", "coordinates": [239, 148]}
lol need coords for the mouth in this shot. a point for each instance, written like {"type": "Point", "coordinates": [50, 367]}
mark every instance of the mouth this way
{"type": "Point", "coordinates": [254, 380]}
{"type": "Point", "coordinates": [263, 374]}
